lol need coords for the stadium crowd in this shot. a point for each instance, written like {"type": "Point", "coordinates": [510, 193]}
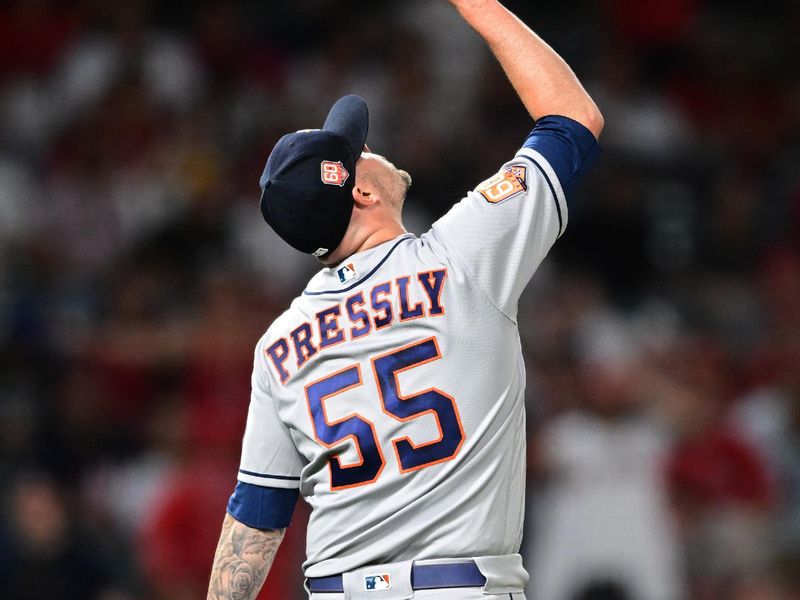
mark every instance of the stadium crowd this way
{"type": "Point", "coordinates": [662, 336]}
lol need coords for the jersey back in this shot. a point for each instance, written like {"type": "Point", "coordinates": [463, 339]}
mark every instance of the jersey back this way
{"type": "Point", "coordinates": [391, 392]}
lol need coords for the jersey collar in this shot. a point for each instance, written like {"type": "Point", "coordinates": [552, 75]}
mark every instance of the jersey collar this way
{"type": "Point", "coordinates": [363, 265]}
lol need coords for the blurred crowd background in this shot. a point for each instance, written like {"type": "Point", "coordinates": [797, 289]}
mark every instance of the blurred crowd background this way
{"type": "Point", "coordinates": [662, 336]}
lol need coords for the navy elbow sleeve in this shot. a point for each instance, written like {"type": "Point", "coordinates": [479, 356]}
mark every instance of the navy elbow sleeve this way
{"type": "Point", "coordinates": [262, 507]}
{"type": "Point", "coordinates": [569, 147]}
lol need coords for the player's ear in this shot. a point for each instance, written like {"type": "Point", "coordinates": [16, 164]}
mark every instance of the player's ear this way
{"type": "Point", "coordinates": [363, 195]}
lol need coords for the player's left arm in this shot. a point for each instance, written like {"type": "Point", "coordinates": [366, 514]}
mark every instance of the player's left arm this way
{"type": "Point", "coordinates": [500, 232]}
{"type": "Point", "coordinates": [260, 509]}
{"type": "Point", "coordinates": [242, 561]}
{"type": "Point", "coordinates": [544, 82]}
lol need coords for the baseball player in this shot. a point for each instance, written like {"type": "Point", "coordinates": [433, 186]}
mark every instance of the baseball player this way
{"type": "Point", "coordinates": [391, 393]}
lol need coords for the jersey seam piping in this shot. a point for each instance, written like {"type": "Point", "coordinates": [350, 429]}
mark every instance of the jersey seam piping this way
{"type": "Point", "coordinates": [269, 476]}
{"type": "Point", "coordinates": [556, 198]}
{"type": "Point", "coordinates": [283, 425]}
{"type": "Point", "coordinates": [474, 280]}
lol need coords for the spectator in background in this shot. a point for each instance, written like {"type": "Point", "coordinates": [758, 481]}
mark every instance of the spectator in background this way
{"type": "Point", "coordinates": [720, 485]}
{"type": "Point", "coordinates": [44, 553]}
{"type": "Point", "coordinates": [769, 413]}
{"type": "Point", "coordinates": [602, 524]}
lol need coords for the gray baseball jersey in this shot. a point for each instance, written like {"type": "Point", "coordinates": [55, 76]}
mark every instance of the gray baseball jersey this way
{"type": "Point", "coordinates": [391, 392]}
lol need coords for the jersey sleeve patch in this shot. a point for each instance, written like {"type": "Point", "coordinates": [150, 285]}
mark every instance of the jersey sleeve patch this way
{"type": "Point", "coordinates": [504, 185]}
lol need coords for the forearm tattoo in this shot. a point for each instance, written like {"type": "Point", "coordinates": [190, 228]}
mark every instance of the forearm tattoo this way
{"type": "Point", "coordinates": [242, 561]}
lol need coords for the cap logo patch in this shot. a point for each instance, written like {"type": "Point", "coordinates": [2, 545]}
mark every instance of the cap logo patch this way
{"type": "Point", "coordinates": [333, 173]}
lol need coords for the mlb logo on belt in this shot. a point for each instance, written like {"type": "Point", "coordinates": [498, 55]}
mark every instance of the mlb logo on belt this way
{"type": "Point", "coordinates": [333, 173]}
{"type": "Point", "coordinates": [374, 583]}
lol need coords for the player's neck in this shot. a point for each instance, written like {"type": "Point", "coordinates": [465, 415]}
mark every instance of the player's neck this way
{"type": "Point", "coordinates": [380, 236]}
{"type": "Point", "coordinates": [357, 241]}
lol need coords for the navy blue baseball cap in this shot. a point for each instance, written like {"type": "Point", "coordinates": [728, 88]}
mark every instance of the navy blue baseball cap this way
{"type": "Point", "coordinates": [307, 184]}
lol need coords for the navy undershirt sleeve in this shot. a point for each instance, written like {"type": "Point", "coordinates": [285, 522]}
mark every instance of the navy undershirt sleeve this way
{"type": "Point", "coordinates": [569, 147]}
{"type": "Point", "coordinates": [262, 507]}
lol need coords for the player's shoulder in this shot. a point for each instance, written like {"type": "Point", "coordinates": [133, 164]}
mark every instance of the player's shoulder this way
{"type": "Point", "coordinates": [279, 325]}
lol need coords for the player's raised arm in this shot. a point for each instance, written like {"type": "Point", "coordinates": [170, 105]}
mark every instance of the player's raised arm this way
{"type": "Point", "coordinates": [501, 231]}
{"type": "Point", "coordinates": [243, 559]}
{"type": "Point", "coordinates": [544, 82]}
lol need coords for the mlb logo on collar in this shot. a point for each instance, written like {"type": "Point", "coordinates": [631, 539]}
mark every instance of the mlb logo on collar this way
{"type": "Point", "coordinates": [374, 583]}
{"type": "Point", "coordinates": [346, 273]}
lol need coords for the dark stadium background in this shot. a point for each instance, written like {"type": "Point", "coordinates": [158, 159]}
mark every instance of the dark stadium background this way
{"type": "Point", "coordinates": [136, 276]}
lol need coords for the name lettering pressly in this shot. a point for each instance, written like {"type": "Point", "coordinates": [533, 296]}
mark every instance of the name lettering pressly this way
{"type": "Point", "coordinates": [359, 314]}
